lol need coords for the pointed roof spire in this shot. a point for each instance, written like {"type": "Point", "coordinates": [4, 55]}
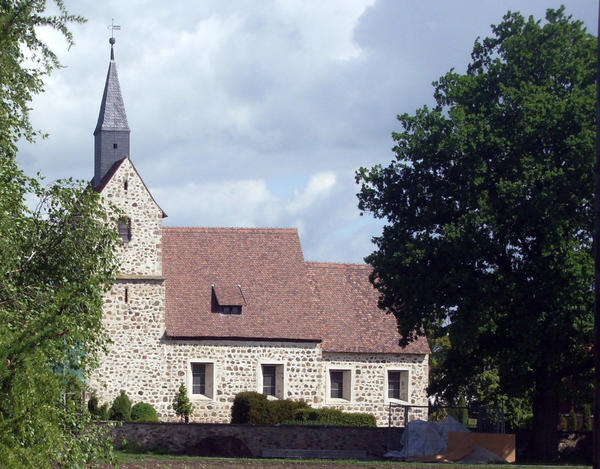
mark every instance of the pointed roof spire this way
{"type": "Point", "coordinates": [111, 136]}
{"type": "Point", "coordinates": [112, 110]}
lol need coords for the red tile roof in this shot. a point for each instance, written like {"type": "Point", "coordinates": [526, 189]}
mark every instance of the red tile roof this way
{"type": "Point", "coordinates": [347, 303]}
{"type": "Point", "coordinates": [284, 297]}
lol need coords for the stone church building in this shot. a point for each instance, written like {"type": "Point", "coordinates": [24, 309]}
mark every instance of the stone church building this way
{"type": "Point", "coordinates": [226, 310]}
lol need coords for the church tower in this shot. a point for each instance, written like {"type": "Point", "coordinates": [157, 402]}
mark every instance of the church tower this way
{"type": "Point", "coordinates": [111, 137]}
{"type": "Point", "coordinates": [134, 308]}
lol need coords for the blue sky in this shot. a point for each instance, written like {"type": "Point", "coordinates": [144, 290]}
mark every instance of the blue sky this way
{"type": "Point", "coordinates": [258, 113]}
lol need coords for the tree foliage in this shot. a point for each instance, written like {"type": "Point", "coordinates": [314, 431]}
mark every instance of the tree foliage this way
{"type": "Point", "coordinates": [56, 261]}
{"type": "Point", "coordinates": [181, 404]}
{"type": "Point", "coordinates": [489, 210]}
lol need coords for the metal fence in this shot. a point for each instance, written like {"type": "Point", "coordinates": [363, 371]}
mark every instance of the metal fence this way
{"type": "Point", "coordinates": [482, 419]}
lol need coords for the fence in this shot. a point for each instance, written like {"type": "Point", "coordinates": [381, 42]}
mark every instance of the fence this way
{"type": "Point", "coordinates": [482, 419]}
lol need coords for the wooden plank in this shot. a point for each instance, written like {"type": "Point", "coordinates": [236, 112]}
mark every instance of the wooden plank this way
{"type": "Point", "coordinates": [498, 443]}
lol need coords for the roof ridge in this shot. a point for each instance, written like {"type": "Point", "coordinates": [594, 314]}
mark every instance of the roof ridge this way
{"type": "Point", "coordinates": [336, 264]}
{"type": "Point", "coordinates": [227, 228]}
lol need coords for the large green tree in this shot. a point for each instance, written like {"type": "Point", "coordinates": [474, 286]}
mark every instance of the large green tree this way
{"type": "Point", "coordinates": [489, 210]}
{"type": "Point", "coordinates": [56, 260]}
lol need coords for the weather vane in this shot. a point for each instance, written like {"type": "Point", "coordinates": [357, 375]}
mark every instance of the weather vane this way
{"type": "Point", "coordinates": [113, 27]}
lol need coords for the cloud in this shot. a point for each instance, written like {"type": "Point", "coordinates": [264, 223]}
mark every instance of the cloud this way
{"type": "Point", "coordinates": [258, 113]}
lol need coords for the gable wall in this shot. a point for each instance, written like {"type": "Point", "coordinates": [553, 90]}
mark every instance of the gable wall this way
{"type": "Point", "coordinates": [142, 255]}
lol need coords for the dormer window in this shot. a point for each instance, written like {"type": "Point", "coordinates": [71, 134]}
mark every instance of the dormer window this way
{"type": "Point", "coordinates": [124, 229]}
{"type": "Point", "coordinates": [233, 309]}
{"type": "Point", "coordinates": [227, 299]}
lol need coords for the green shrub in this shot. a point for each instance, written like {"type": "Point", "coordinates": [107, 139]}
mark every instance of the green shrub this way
{"type": "Point", "coordinates": [143, 412]}
{"type": "Point", "coordinates": [250, 407]}
{"type": "Point", "coordinates": [92, 405]}
{"type": "Point", "coordinates": [182, 405]}
{"type": "Point", "coordinates": [104, 412]}
{"type": "Point", "coordinates": [121, 408]}
{"type": "Point", "coordinates": [572, 423]}
{"type": "Point", "coordinates": [256, 408]}
{"type": "Point", "coordinates": [327, 416]}
{"type": "Point", "coordinates": [587, 418]}
{"type": "Point", "coordinates": [562, 423]}
{"type": "Point", "coordinates": [282, 410]}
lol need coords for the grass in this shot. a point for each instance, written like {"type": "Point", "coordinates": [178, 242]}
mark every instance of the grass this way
{"type": "Point", "coordinates": [127, 457]}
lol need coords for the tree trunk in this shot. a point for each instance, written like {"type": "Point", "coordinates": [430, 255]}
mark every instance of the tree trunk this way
{"type": "Point", "coordinates": [544, 440]}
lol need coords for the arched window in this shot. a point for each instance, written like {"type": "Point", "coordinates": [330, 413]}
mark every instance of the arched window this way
{"type": "Point", "coordinates": [125, 229]}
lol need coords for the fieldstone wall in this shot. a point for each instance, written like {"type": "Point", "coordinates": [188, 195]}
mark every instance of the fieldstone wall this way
{"type": "Point", "coordinates": [369, 388]}
{"type": "Point", "coordinates": [142, 255]}
{"type": "Point", "coordinates": [150, 367]}
{"type": "Point", "coordinates": [192, 438]}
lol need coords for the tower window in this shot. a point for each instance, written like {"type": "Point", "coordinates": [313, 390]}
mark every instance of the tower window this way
{"type": "Point", "coordinates": [114, 145]}
{"type": "Point", "coordinates": [125, 229]}
{"type": "Point", "coordinates": [126, 295]}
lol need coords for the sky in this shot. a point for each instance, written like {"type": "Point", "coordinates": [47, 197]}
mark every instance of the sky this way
{"type": "Point", "coordinates": [257, 113]}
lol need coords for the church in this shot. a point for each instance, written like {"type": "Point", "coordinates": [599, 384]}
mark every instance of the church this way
{"type": "Point", "coordinates": [227, 310]}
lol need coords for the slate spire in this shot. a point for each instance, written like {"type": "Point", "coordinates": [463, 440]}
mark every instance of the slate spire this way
{"type": "Point", "coordinates": [111, 137]}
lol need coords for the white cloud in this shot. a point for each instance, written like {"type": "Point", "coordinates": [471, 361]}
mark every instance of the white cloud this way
{"type": "Point", "coordinates": [257, 113]}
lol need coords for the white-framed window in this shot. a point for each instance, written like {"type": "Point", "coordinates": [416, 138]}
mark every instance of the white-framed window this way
{"type": "Point", "coordinates": [271, 379]}
{"type": "Point", "coordinates": [339, 386]}
{"type": "Point", "coordinates": [201, 380]}
{"type": "Point", "coordinates": [396, 385]}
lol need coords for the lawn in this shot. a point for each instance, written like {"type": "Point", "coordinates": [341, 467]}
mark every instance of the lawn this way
{"type": "Point", "coordinates": [152, 461]}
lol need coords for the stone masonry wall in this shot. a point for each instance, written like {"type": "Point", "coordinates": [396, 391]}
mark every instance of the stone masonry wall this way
{"type": "Point", "coordinates": [192, 438]}
{"type": "Point", "coordinates": [369, 384]}
{"type": "Point", "coordinates": [142, 255]}
{"type": "Point", "coordinates": [134, 309]}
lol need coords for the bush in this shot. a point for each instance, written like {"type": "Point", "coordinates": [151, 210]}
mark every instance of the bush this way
{"type": "Point", "coordinates": [92, 405]}
{"type": "Point", "coordinates": [587, 418]}
{"type": "Point", "coordinates": [283, 410]}
{"type": "Point", "coordinates": [143, 412]}
{"type": "Point", "coordinates": [572, 423]}
{"type": "Point", "coordinates": [121, 408]}
{"type": "Point", "coordinates": [250, 407]}
{"type": "Point", "coordinates": [182, 405]}
{"type": "Point", "coordinates": [256, 408]}
{"type": "Point", "coordinates": [562, 423]}
{"type": "Point", "coordinates": [97, 413]}
{"type": "Point", "coordinates": [336, 417]}
{"type": "Point", "coordinates": [104, 412]}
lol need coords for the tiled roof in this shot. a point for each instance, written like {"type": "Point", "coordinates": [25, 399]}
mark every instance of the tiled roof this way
{"type": "Point", "coordinates": [112, 110]}
{"type": "Point", "coordinates": [347, 303]}
{"type": "Point", "coordinates": [284, 297]}
{"type": "Point", "coordinates": [266, 263]}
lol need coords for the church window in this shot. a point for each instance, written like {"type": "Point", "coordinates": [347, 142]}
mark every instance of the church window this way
{"type": "Point", "coordinates": [125, 185]}
{"type": "Point", "coordinates": [126, 295]}
{"type": "Point", "coordinates": [340, 384]}
{"type": "Point", "coordinates": [125, 229]}
{"type": "Point", "coordinates": [201, 380]}
{"type": "Point", "coordinates": [271, 380]}
{"type": "Point", "coordinates": [397, 385]}
{"type": "Point", "coordinates": [268, 372]}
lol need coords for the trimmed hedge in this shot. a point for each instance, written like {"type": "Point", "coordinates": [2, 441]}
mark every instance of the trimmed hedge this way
{"type": "Point", "coordinates": [143, 412]}
{"type": "Point", "coordinates": [250, 407]}
{"type": "Point", "coordinates": [327, 416]}
{"type": "Point", "coordinates": [255, 408]}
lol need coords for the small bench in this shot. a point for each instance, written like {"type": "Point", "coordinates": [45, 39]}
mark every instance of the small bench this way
{"type": "Point", "coordinates": [313, 453]}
